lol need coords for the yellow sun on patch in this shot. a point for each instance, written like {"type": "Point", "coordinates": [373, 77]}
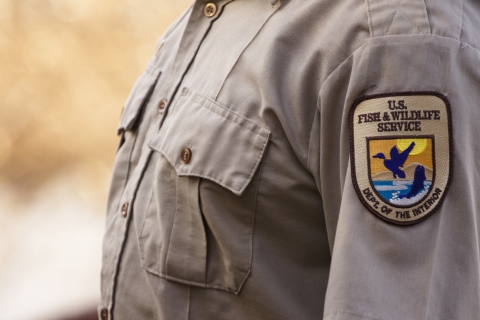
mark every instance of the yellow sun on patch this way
{"type": "Point", "coordinates": [420, 145]}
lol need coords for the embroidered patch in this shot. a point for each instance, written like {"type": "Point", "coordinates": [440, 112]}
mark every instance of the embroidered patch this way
{"type": "Point", "coordinates": [400, 147]}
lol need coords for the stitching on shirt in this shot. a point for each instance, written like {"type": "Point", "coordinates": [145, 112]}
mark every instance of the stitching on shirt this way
{"type": "Point", "coordinates": [370, 18]}
{"type": "Point", "coordinates": [142, 252]}
{"type": "Point", "coordinates": [457, 40]}
{"type": "Point", "coordinates": [427, 23]}
{"type": "Point", "coordinates": [324, 81]}
{"type": "Point", "coordinates": [396, 35]}
{"type": "Point", "coordinates": [191, 283]}
{"type": "Point", "coordinates": [409, 20]}
{"type": "Point", "coordinates": [310, 135]}
{"type": "Point", "coordinates": [253, 224]}
{"type": "Point", "coordinates": [189, 301]}
{"type": "Point", "coordinates": [245, 48]}
{"type": "Point", "coordinates": [461, 21]}
{"type": "Point", "coordinates": [243, 186]}
{"type": "Point", "coordinates": [198, 99]}
{"type": "Point", "coordinates": [233, 120]}
{"type": "Point", "coordinates": [258, 160]}
{"type": "Point", "coordinates": [354, 314]}
{"type": "Point", "coordinates": [172, 187]}
{"type": "Point", "coordinates": [395, 14]}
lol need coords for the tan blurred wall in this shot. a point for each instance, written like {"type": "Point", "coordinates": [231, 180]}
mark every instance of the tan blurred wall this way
{"type": "Point", "coordinates": [66, 69]}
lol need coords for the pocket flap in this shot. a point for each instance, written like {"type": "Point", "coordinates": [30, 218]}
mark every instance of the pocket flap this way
{"type": "Point", "coordinates": [139, 95]}
{"type": "Point", "coordinates": [225, 147]}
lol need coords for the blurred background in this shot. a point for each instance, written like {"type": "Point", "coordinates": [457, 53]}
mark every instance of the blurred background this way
{"type": "Point", "coordinates": [66, 68]}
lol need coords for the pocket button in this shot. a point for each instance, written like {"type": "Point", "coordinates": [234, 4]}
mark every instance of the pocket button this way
{"type": "Point", "coordinates": [104, 314]}
{"type": "Point", "coordinates": [186, 155]}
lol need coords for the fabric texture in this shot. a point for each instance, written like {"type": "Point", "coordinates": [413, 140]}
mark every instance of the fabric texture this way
{"type": "Point", "coordinates": [261, 219]}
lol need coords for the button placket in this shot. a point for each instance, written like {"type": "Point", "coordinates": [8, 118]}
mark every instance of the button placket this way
{"type": "Point", "coordinates": [200, 27]}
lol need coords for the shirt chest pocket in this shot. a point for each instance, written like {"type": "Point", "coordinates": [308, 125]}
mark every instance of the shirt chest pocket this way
{"type": "Point", "coordinates": [199, 225]}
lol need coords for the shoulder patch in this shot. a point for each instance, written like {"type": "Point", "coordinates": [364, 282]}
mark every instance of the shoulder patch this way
{"type": "Point", "coordinates": [401, 154]}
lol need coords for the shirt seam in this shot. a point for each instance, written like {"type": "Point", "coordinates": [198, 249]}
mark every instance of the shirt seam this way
{"type": "Point", "coordinates": [461, 21]}
{"type": "Point", "coordinates": [189, 302]}
{"type": "Point", "coordinates": [353, 314]}
{"type": "Point", "coordinates": [260, 128]}
{"type": "Point", "coordinates": [243, 51]}
{"type": "Point", "coordinates": [318, 96]}
{"type": "Point", "coordinates": [311, 132]}
{"type": "Point", "coordinates": [349, 57]}
{"type": "Point", "coordinates": [388, 36]}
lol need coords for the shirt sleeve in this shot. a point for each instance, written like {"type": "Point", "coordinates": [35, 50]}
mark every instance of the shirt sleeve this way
{"type": "Point", "coordinates": [396, 157]}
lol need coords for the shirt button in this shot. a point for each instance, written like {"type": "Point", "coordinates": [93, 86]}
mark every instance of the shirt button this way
{"type": "Point", "coordinates": [162, 105]}
{"type": "Point", "coordinates": [210, 9]}
{"type": "Point", "coordinates": [124, 213]}
{"type": "Point", "coordinates": [186, 155]}
{"type": "Point", "coordinates": [104, 314]}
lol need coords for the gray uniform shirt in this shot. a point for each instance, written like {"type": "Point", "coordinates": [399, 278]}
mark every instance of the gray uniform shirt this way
{"type": "Point", "coordinates": [272, 162]}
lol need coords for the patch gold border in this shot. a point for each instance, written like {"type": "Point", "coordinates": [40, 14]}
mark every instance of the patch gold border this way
{"type": "Point", "coordinates": [450, 152]}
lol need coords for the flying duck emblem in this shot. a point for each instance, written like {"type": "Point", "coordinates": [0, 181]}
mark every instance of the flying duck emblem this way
{"type": "Point", "coordinates": [396, 161]}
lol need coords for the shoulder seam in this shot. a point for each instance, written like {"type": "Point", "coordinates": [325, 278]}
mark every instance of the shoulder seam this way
{"type": "Point", "coordinates": [464, 45]}
{"type": "Point", "coordinates": [317, 111]}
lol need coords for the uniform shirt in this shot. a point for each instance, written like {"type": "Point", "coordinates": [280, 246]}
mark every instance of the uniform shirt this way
{"type": "Point", "coordinates": [263, 154]}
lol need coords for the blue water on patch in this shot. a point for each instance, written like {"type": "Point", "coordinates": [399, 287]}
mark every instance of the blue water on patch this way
{"type": "Point", "coordinates": [391, 190]}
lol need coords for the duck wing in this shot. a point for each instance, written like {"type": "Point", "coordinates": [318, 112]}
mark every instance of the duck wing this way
{"type": "Point", "coordinates": [400, 158]}
{"type": "Point", "coordinates": [394, 152]}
